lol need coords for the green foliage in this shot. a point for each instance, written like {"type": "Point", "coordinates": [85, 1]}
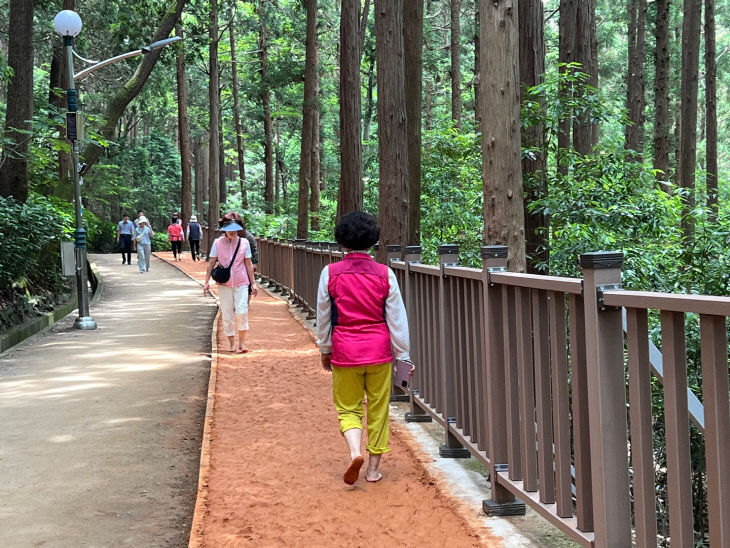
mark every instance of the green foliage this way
{"type": "Point", "coordinates": [451, 194]}
{"type": "Point", "coordinates": [30, 233]}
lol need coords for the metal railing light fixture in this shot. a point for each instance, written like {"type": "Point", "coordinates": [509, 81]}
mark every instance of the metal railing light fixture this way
{"type": "Point", "coordinates": [68, 24]}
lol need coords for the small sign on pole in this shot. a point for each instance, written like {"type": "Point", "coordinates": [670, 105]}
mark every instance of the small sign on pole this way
{"type": "Point", "coordinates": [68, 259]}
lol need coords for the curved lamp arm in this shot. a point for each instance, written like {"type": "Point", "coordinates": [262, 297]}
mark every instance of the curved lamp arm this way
{"type": "Point", "coordinates": [147, 49]}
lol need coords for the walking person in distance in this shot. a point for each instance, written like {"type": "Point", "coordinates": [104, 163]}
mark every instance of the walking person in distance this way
{"type": "Point", "coordinates": [232, 251]}
{"type": "Point", "coordinates": [143, 235]}
{"type": "Point", "coordinates": [361, 319]}
{"type": "Point", "coordinates": [175, 237]}
{"type": "Point", "coordinates": [193, 233]}
{"type": "Point", "coordinates": [125, 228]}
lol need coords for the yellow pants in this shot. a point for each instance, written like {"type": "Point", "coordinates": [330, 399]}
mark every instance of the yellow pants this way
{"type": "Point", "coordinates": [348, 386]}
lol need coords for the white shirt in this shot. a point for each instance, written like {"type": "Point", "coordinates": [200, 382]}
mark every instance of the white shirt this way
{"type": "Point", "coordinates": [395, 316]}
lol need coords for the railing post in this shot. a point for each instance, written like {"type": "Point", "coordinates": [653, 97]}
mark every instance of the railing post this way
{"type": "Point", "coordinates": [299, 265]}
{"type": "Point", "coordinates": [413, 256]}
{"type": "Point", "coordinates": [503, 502]}
{"type": "Point", "coordinates": [448, 255]}
{"type": "Point", "coordinates": [396, 392]}
{"type": "Point", "coordinates": [393, 253]}
{"type": "Point", "coordinates": [607, 405]}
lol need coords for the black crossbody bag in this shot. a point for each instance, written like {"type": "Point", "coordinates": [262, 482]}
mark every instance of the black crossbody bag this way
{"type": "Point", "coordinates": [221, 274]}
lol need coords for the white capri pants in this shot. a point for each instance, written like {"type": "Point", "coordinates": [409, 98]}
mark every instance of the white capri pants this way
{"type": "Point", "coordinates": [233, 302]}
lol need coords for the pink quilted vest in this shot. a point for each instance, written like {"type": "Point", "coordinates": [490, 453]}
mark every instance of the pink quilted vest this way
{"type": "Point", "coordinates": [358, 287]}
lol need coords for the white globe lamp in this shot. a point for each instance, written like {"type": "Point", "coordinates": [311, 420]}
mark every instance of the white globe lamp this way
{"type": "Point", "coordinates": [67, 23]}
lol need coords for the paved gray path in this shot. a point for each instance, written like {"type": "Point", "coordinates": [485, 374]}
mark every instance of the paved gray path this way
{"type": "Point", "coordinates": [100, 430]}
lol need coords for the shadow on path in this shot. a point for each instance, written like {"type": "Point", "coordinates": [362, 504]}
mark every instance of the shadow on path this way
{"type": "Point", "coordinates": [101, 429]}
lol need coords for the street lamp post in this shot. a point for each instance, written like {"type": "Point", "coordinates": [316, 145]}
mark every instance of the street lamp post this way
{"type": "Point", "coordinates": [68, 24]}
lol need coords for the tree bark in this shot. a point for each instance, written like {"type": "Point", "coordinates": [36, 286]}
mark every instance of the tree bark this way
{"type": "Point", "coordinates": [14, 161]}
{"type": "Point", "coordinates": [504, 221]}
{"type": "Point", "coordinates": [711, 109]}
{"type": "Point", "coordinates": [186, 192]}
{"type": "Point", "coordinates": [308, 106]}
{"type": "Point", "coordinates": [222, 184]}
{"type": "Point", "coordinates": [661, 94]}
{"type": "Point", "coordinates": [350, 195]}
{"type": "Point", "coordinates": [392, 126]}
{"type": "Point", "coordinates": [59, 81]}
{"type": "Point", "coordinates": [369, 98]}
{"type": "Point", "coordinates": [532, 67]}
{"type": "Point", "coordinates": [413, 48]}
{"type": "Point", "coordinates": [314, 191]}
{"type": "Point", "coordinates": [240, 150]}
{"type": "Point", "coordinates": [201, 178]}
{"type": "Point", "coordinates": [456, 63]}
{"type": "Point", "coordinates": [688, 126]}
{"type": "Point", "coordinates": [266, 104]}
{"type": "Point", "coordinates": [566, 54]}
{"type": "Point", "coordinates": [585, 135]}
{"type": "Point", "coordinates": [477, 62]}
{"type": "Point", "coordinates": [635, 80]}
{"type": "Point", "coordinates": [134, 85]}
{"type": "Point", "coordinates": [214, 122]}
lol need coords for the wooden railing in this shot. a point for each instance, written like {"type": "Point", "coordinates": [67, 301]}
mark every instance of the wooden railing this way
{"type": "Point", "coordinates": [534, 377]}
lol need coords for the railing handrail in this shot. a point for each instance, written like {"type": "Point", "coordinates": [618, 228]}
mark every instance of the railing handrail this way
{"type": "Point", "coordinates": [463, 312]}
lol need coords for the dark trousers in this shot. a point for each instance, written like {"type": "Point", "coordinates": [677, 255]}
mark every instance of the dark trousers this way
{"type": "Point", "coordinates": [176, 248]}
{"type": "Point", "coordinates": [195, 248]}
{"type": "Point", "coordinates": [125, 244]}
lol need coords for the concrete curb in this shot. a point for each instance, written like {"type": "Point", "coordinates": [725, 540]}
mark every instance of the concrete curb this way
{"type": "Point", "coordinates": [201, 501]}
{"type": "Point", "coordinates": [19, 333]}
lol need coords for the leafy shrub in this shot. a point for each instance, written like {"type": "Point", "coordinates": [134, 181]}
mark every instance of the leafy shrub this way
{"type": "Point", "coordinates": [160, 243]}
{"type": "Point", "coordinates": [30, 233]}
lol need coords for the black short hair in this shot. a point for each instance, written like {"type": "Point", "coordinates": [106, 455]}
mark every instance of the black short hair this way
{"type": "Point", "coordinates": [125, 214]}
{"type": "Point", "coordinates": [357, 230]}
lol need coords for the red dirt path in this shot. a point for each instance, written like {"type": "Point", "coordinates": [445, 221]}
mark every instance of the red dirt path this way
{"type": "Point", "coordinates": [277, 458]}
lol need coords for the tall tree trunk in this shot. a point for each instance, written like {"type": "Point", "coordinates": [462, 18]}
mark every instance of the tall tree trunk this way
{"type": "Point", "coordinates": [59, 81]}
{"type": "Point", "coordinates": [277, 168]}
{"type": "Point", "coordinates": [688, 126]}
{"type": "Point", "coordinates": [661, 94]}
{"type": "Point", "coordinates": [214, 122]}
{"type": "Point", "coordinates": [222, 185]}
{"type": "Point", "coordinates": [314, 191]}
{"type": "Point", "coordinates": [413, 49]}
{"type": "Point", "coordinates": [392, 127]}
{"type": "Point", "coordinates": [566, 54]}
{"type": "Point", "coordinates": [711, 108]}
{"type": "Point", "coordinates": [635, 79]}
{"type": "Point", "coordinates": [186, 193]}
{"type": "Point", "coordinates": [309, 104]}
{"type": "Point", "coordinates": [504, 220]}
{"type": "Point", "coordinates": [266, 104]}
{"type": "Point", "coordinates": [456, 62]}
{"type": "Point", "coordinates": [14, 161]}
{"type": "Point", "coordinates": [130, 90]}
{"type": "Point", "coordinates": [237, 119]}
{"type": "Point", "coordinates": [201, 177]}
{"type": "Point", "coordinates": [585, 134]}
{"type": "Point", "coordinates": [350, 196]}
{"type": "Point", "coordinates": [364, 26]}
{"type": "Point", "coordinates": [428, 107]}
{"type": "Point", "coordinates": [532, 67]}
{"type": "Point", "coordinates": [369, 98]}
{"type": "Point", "coordinates": [477, 62]}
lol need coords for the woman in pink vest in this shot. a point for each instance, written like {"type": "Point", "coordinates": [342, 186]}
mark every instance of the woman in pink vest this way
{"type": "Point", "coordinates": [233, 250]}
{"type": "Point", "coordinates": [360, 317]}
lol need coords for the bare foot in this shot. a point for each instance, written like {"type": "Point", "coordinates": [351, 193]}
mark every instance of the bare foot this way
{"type": "Point", "coordinates": [353, 471]}
{"type": "Point", "coordinates": [373, 477]}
